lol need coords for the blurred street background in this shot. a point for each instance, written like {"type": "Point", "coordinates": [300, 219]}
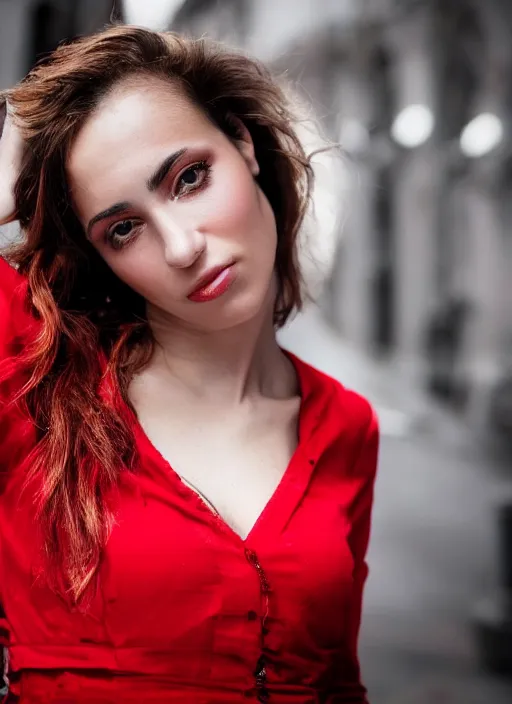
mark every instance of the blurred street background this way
{"type": "Point", "coordinates": [408, 258]}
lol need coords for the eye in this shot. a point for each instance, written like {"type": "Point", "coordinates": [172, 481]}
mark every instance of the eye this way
{"type": "Point", "coordinates": [193, 178]}
{"type": "Point", "coordinates": [122, 232]}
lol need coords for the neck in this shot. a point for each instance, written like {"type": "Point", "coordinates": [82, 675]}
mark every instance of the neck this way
{"type": "Point", "coordinates": [233, 364]}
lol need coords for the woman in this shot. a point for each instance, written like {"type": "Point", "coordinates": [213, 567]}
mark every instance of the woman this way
{"type": "Point", "coordinates": [184, 507]}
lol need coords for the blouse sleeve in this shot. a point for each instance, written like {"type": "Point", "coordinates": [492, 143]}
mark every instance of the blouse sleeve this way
{"type": "Point", "coordinates": [349, 689]}
{"type": "Point", "coordinates": [17, 328]}
{"type": "Point", "coordinates": [17, 324]}
{"type": "Point", "coordinates": [6, 286]}
{"type": "Point", "coordinates": [13, 322]}
{"type": "Point", "coordinates": [13, 317]}
{"type": "Point", "coordinates": [9, 281]}
{"type": "Point", "coordinates": [4, 643]}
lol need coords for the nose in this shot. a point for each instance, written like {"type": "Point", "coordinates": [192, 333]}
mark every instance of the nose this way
{"type": "Point", "coordinates": [182, 243]}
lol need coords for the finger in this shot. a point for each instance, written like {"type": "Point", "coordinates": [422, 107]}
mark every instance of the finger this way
{"type": "Point", "coordinates": [11, 151]}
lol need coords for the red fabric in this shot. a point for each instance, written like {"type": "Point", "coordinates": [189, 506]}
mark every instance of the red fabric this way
{"type": "Point", "coordinates": [185, 608]}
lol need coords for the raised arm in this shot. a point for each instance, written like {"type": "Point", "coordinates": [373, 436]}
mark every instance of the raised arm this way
{"type": "Point", "coordinates": [11, 148]}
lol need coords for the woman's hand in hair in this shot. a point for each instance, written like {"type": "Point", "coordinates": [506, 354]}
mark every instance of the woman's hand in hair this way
{"type": "Point", "coordinates": [11, 149]}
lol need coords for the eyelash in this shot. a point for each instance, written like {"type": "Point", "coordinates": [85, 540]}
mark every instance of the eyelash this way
{"type": "Point", "coordinates": [204, 166]}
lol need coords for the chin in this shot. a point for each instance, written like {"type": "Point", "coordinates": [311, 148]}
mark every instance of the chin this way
{"type": "Point", "coordinates": [231, 313]}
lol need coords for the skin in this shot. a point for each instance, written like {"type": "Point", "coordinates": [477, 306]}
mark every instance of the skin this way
{"type": "Point", "coordinates": [11, 151]}
{"type": "Point", "coordinates": [219, 399]}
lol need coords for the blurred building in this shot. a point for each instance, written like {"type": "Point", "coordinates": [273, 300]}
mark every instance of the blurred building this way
{"type": "Point", "coordinates": [418, 92]}
{"type": "Point", "coordinates": [31, 28]}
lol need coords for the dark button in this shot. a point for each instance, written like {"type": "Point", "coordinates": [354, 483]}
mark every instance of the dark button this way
{"type": "Point", "coordinates": [249, 693]}
{"type": "Point", "coordinates": [251, 556]}
{"type": "Point", "coordinates": [311, 461]}
{"type": "Point", "coordinates": [252, 615]}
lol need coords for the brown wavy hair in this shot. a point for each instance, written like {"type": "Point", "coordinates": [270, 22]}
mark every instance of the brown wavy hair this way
{"type": "Point", "coordinates": [83, 441]}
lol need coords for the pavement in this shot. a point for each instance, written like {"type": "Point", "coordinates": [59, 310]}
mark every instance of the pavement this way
{"type": "Point", "coordinates": [433, 551]}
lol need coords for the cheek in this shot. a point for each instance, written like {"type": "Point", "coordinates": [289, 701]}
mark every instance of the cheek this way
{"type": "Point", "coordinates": [141, 267]}
{"type": "Point", "coordinates": [240, 208]}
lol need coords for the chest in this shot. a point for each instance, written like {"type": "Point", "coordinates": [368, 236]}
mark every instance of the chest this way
{"type": "Point", "coordinates": [234, 461]}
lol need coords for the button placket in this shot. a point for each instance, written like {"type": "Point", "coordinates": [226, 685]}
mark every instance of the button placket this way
{"type": "Point", "coordinates": [260, 673]}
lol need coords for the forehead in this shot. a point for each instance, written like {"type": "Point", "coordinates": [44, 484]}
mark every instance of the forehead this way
{"type": "Point", "coordinates": [134, 121]}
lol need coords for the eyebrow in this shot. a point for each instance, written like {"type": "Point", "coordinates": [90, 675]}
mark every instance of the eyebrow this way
{"type": "Point", "coordinates": [153, 182]}
{"type": "Point", "coordinates": [113, 210]}
{"type": "Point", "coordinates": [156, 179]}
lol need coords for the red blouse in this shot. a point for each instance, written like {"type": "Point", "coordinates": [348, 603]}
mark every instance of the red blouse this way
{"type": "Point", "coordinates": [185, 609]}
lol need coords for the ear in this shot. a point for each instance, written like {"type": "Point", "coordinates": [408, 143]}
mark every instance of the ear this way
{"type": "Point", "coordinates": [245, 144]}
{"type": "Point", "coordinates": [11, 151]}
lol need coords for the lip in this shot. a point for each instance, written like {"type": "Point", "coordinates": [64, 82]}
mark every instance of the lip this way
{"type": "Point", "coordinates": [213, 284]}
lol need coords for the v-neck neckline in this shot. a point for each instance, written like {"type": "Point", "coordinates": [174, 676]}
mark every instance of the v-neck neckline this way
{"type": "Point", "coordinates": [285, 496]}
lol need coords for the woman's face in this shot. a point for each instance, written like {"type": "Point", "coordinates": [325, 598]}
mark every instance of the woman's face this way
{"type": "Point", "coordinates": [172, 206]}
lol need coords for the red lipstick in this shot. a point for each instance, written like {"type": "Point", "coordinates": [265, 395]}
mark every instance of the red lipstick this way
{"type": "Point", "coordinates": [213, 284]}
